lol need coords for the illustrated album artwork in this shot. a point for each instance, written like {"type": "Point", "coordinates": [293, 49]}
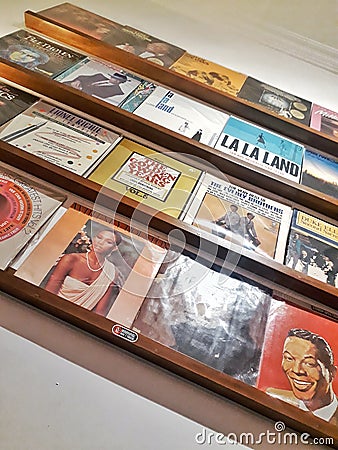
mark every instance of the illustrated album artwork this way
{"type": "Point", "coordinates": [96, 264]}
{"type": "Point", "coordinates": [181, 114]}
{"type": "Point", "coordinates": [243, 217]}
{"type": "Point", "coordinates": [324, 120]}
{"type": "Point", "coordinates": [209, 73]}
{"type": "Point", "coordinates": [13, 101]}
{"type": "Point", "coordinates": [129, 39]}
{"type": "Point", "coordinates": [274, 99]}
{"type": "Point", "coordinates": [313, 247]}
{"type": "Point", "coordinates": [152, 178]}
{"type": "Point", "coordinates": [24, 208]}
{"type": "Point", "coordinates": [299, 360]}
{"type": "Point", "coordinates": [60, 137]}
{"type": "Point", "coordinates": [212, 317]}
{"type": "Point", "coordinates": [262, 148]}
{"type": "Point", "coordinates": [101, 79]}
{"type": "Point", "coordinates": [33, 52]}
{"type": "Point", "coordinates": [320, 172]}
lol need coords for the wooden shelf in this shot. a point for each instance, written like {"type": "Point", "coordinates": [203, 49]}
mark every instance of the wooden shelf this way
{"type": "Point", "coordinates": [181, 83]}
{"type": "Point", "coordinates": [169, 359]}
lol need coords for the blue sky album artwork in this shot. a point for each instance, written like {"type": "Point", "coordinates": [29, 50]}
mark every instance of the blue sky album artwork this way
{"type": "Point", "coordinates": [260, 147]}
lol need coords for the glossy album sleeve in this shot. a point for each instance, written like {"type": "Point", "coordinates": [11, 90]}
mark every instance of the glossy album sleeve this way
{"type": "Point", "coordinates": [262, 148]}
{"type": "Point", "coordinates": [13, 101]}
{"type": "Point", "coordinates": [209, 73]}
{"type": "Point", "coordinates": [240, 216]}
{"type": "Point", "coordinates": [212, 317]}
{"type": "Point", "coordinates": [313, 247]}
{"type": "Point", "coordinates": [183, 115]}
{"type": "Point", "coordinates": [150, 177]}
{"type": "Point", "coordinates": [60, 137]}
{"type": "Point", "coordinates": [33, 52]}
{"type": "Point", "coordinates": [101, 79]}
{"type": "Point", "coordinates": [95, 264]}
{"type": "Point", "coordinates": [299, 358]}
{"type": "Point", "coordinates": [24, 208]}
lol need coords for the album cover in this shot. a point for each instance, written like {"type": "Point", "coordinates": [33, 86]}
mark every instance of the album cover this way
{"type": "Point", "coordinates": [101, 79]}
{"type": "Point", "coordinates": [152, 178]}
{"type": "Point", "coordinates": [240, 216]}
{"type": "Point", "coordinates": [320, 173]}
{"type": "Point", "coordinates": [60, 137]}
{"type": "Point", "coordinates": [313, 248]}
{"type": "Point", "coordinates": [274, 99]}
{"type": "Point", "coordinates": [209, 73]}
{"type": "Point", "coordinates": [262, 148]}
{"type": "Point", "coordinates": [80, 19]}
{"type": "Point", "coordinates": [36, 53]}
{"type": "Point", "coordinates": [124, 37]}
{"type": "Point", "coordinates": [298, 360]}
{"type": "Point", "coordinates": [24, 208]}
{"type": "Point", "coordinates": [324, 120]}
{"type": "Point", "coordinates": [13, 101]}
{"type": "Point", "coordinates": [212, 317]}
{"type": "Point", "coordinates": [183, 115]}
{"type": "Point", "coordinates": [94, 263]}
{"type": "Point", "coordinates": [138, 96]}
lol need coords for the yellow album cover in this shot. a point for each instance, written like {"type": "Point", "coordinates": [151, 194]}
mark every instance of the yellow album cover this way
{"type": "Point", "coordinates": [149, 177]}
{"type": "Point", "coordinates": [209, 73]}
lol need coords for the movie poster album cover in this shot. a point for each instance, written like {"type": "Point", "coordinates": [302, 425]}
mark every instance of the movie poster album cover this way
{"type": "Point", "coordinates": [324, 120]}
{"type": "Point", "coordinates": [313, 248]}
{"type": "Point", "coordinates": [101, 79]}
{"type": "Point", "coordinates": [209, 73]}
{"type": "Point", "coordinates": [284, 104]}
{"type": "Point", "coordinates": [320, 172]}
{"type": "Point", "coordinates": [95, 264]}
{"type": "Point", "coordinates": [152, 178]}
{"type": "Point", "coordinates": [33, 52]}
{"type": "Point", "coordinates": [13, 101]}
{"type": "Point", "coordinates": [60, 137]}
{"type": "Point", "coordinates": [124, 37]}
{"type": "Point", "coordinates": [24, 208]}
{"type": "Point", "coordinates": [212, 317]}
{"type": "Point", "coordinates": [262, 148]}
{"type": "Point", "coordinates": [299, 360]}
{"type": "Point", "coordinates": [241, 216]}
{"type": "Point", "coordinates": [183, 115]}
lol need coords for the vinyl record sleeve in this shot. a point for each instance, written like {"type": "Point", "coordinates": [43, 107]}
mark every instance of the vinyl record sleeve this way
{"type": "Point", "coordinates": [224, 210]}
{"type": "Point", "coordinates": [13, 101]}
{"type": "Point", "coordinates": [313, 247]}
{"type": "Point", "coordinates": [262, 148]}
{"type": "Point", "coordinates": [124, 37]}
{"type": "Point", "coordinates": [62, 263]}
{"type": "Point", "coordinates": [281, 102]}
{"type": "Point", "coordinates": [320, 172]}
{"type": "Point", "coordinates": [150, 177]}
{"type": "Point", "coordinates": [24, 208]}
{"type": "Point", "coordinates": [101, 79]}
{"type": "Point", "coordinates": [36, 53]}
{"type": "Point", "coordinates": [324, 120]}
{"type": "Point", "coordinates": [80, 19]}
{"type": "Point", "coordinates": [210, 73]}
{"type": "Point", "coordinates": [210, 316]}
{"type": "Point", "coordinates": [60, 137]}
{"type": "Point", "coordinates": [183, 115]}
{"type": "Point", "coordinates": [293, 368]}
